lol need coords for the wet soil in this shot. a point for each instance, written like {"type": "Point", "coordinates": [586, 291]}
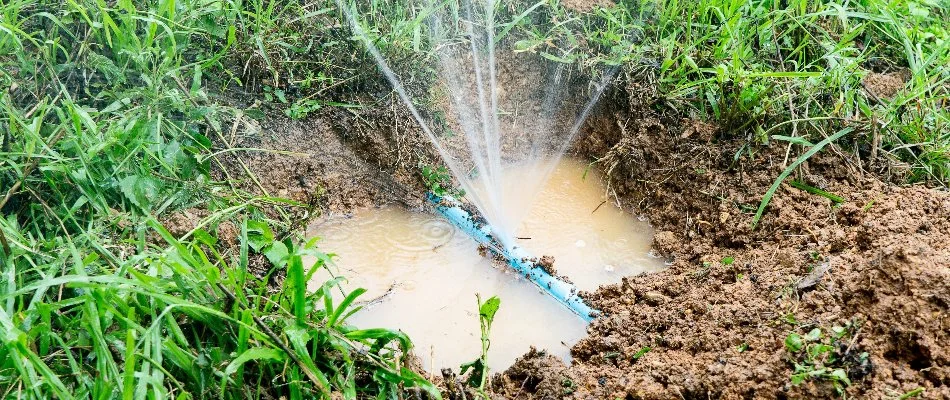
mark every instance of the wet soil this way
{"type": "Point", "coordinates": [337, 160]}
{"type": "Point", "coordinates": [714, 324]}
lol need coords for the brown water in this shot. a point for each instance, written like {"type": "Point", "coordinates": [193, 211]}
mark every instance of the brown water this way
{"type": "Point", "coordinates": [422, 274]}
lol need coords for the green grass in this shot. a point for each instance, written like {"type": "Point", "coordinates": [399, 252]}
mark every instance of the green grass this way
{"type": "Point", "coordinates": [108, 125]}
{"type": "Point", "coordinates": [792, 69]}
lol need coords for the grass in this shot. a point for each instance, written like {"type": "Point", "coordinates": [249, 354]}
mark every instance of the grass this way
{"type": "Point", "coordinates": [112, 119]}
{"type": "Point", "coordinates": [109, 125]}
{"type": "Point", "coordinates": [797, 69]}
{"type": "Point", "coordinates": [778, 73]}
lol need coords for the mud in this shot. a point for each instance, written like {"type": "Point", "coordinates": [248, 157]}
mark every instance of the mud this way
{"type": "Point", "coordinates": [337, 160]}
{"type": "Point", "coordinates": [714, 324]}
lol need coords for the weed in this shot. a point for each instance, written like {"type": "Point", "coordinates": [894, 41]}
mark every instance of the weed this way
{"type": "Point", "coordinates": [640, 353]}
{"type": "Point", "coordinates": [568, 386]}
{"type": "Point", "coordinates": [439, 181]}
{"type": "Point", "coordinates": [801, 159]}
{"type": "Point", "coordinates": [479, 367]}
{"type": "Point", "coordinates": [911, 394]}
{"type": "Point", "coordinates": [301, 108]}
{"type": "Point", "coordinates": [817, 356]}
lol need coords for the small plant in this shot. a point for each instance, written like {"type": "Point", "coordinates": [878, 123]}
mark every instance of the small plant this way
{"type": "Point", "coordinates": [826, 357]}
{"type": "Point", "coordinates": [479, 367]}
{"type": "Point", "coordinates": [300, 109]}
{"type": "Point", "coordinates": [640, 353]}
{"type": "Point", "coordinates": [271, 94]}
{"type": "Point", "coordinates": [439, 181]}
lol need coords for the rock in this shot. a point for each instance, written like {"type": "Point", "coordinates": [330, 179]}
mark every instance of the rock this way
{"type": "Point", "coordinates": [655, 298]}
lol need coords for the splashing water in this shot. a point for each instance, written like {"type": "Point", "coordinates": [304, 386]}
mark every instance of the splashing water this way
{"type": "Point", "coordinates": [517, 109]}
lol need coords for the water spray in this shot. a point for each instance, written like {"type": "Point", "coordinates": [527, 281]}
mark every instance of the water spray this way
{"type": "Point", "coordinates": [483, 135]}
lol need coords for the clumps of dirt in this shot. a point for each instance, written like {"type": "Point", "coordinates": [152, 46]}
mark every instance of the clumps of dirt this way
{"type": "Point", "coordinates": [336, 160]}
{"type": "Point", "coordinates": [228, 234]}
{"type": "Point", "coordinates": [715, 323]}
{"type": "Point", "coordinates": [536, 374]}
{"type": "Point", "coordinates": [885, 85]}
{"type": "Point", "coordinates": [182, 222]}
{"type": "Point", "coordinates": [546, 263]}
{"type": "Point", "coordinates": [179, 223]}
{"type": "Point", "coordinates": [587, 5]}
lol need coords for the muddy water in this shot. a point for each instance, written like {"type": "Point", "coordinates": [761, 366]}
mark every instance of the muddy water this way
{"type": "Point", "coordinates": [422, 274]}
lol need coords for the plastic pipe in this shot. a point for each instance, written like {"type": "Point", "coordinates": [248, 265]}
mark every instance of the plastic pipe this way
{"type": "Point", "coordinates": [476, 227]}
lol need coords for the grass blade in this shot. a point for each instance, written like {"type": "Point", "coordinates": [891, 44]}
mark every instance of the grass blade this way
{"type": "Point", "coordinates": [788, 171]}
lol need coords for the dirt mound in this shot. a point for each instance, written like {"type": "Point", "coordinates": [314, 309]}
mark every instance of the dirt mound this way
{"type": "Point", "coordinates": [885, 86]}
{"type": "Point", "coordinates": [336, 160]}
{"type": "Point", "coordinates": [875, 270]}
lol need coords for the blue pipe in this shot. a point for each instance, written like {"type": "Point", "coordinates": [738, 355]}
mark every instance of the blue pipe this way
{"type": "Point", "coordinates": [475, 226]}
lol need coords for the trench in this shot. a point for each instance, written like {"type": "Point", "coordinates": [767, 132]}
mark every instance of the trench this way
{"type": "Point", "coordinates": [422, 274]}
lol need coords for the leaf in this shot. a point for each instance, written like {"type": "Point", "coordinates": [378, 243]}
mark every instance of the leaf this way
{"type": "Point", "coordinates": [298, 286]}
{"type": "Point", "coordinates": [255, 113]}
{"type": "Point", "coordinates": [555, 58]}
{"type": "Point", "coordinates": [840, 375]}
{"type": "Point", "coordinates": [257, 353]}
{"type": "Point", "coordinates": [477, 367]}
{"type": "Point", "coordinates": [140, 191]}
{"type": "Point", "coordinates": [105, 66]}
{"type": "Point", "coordinates": [813, 190]}
{"type": "Point", "coordinates": [793, 342]}
{"type": "Point", "coordinates": [412, 378]}
{"type": "Point", "coordinates": [797, 379]}
{"type": "Point", "coordinates": [814, 335]}
{"type": "Point", "coordinates": [641, 352]}
{"type": "Point", "coordinates": [259, 235]}
{"type": "Point", "coordinates": [794, 140]}
{"type": "Point", "coordinates": [276, 253]}
{"type": "Point", "coordinates": [488, 309]}
{"type": "Point", "coordinates": [816, 350]}
{"type": "Point", "coordinates": [340, 309]}
{"type": "Point", "coordinates": [526, 44]}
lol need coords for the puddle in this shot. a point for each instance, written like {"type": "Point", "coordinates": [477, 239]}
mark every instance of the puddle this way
{"type": "Point", "coordinates": [421, 274]}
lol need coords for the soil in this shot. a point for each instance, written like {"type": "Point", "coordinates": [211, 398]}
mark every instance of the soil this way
{"type": "Point", "coordinates": [885, 85]}
{"type": "Point", "coordinates": [335, 161]}
{"type": "Point", "coordinates": [587, 5]}
{"type": "Point", "coordinates": [714, 324]}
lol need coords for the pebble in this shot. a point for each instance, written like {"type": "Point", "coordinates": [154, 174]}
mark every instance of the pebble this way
{"type": "Point", "coordinates": [580, 243]}
{"type": "Point", "coordinates": [655, 298]}
{"type": "Point", "coordinates": [609, 268]}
